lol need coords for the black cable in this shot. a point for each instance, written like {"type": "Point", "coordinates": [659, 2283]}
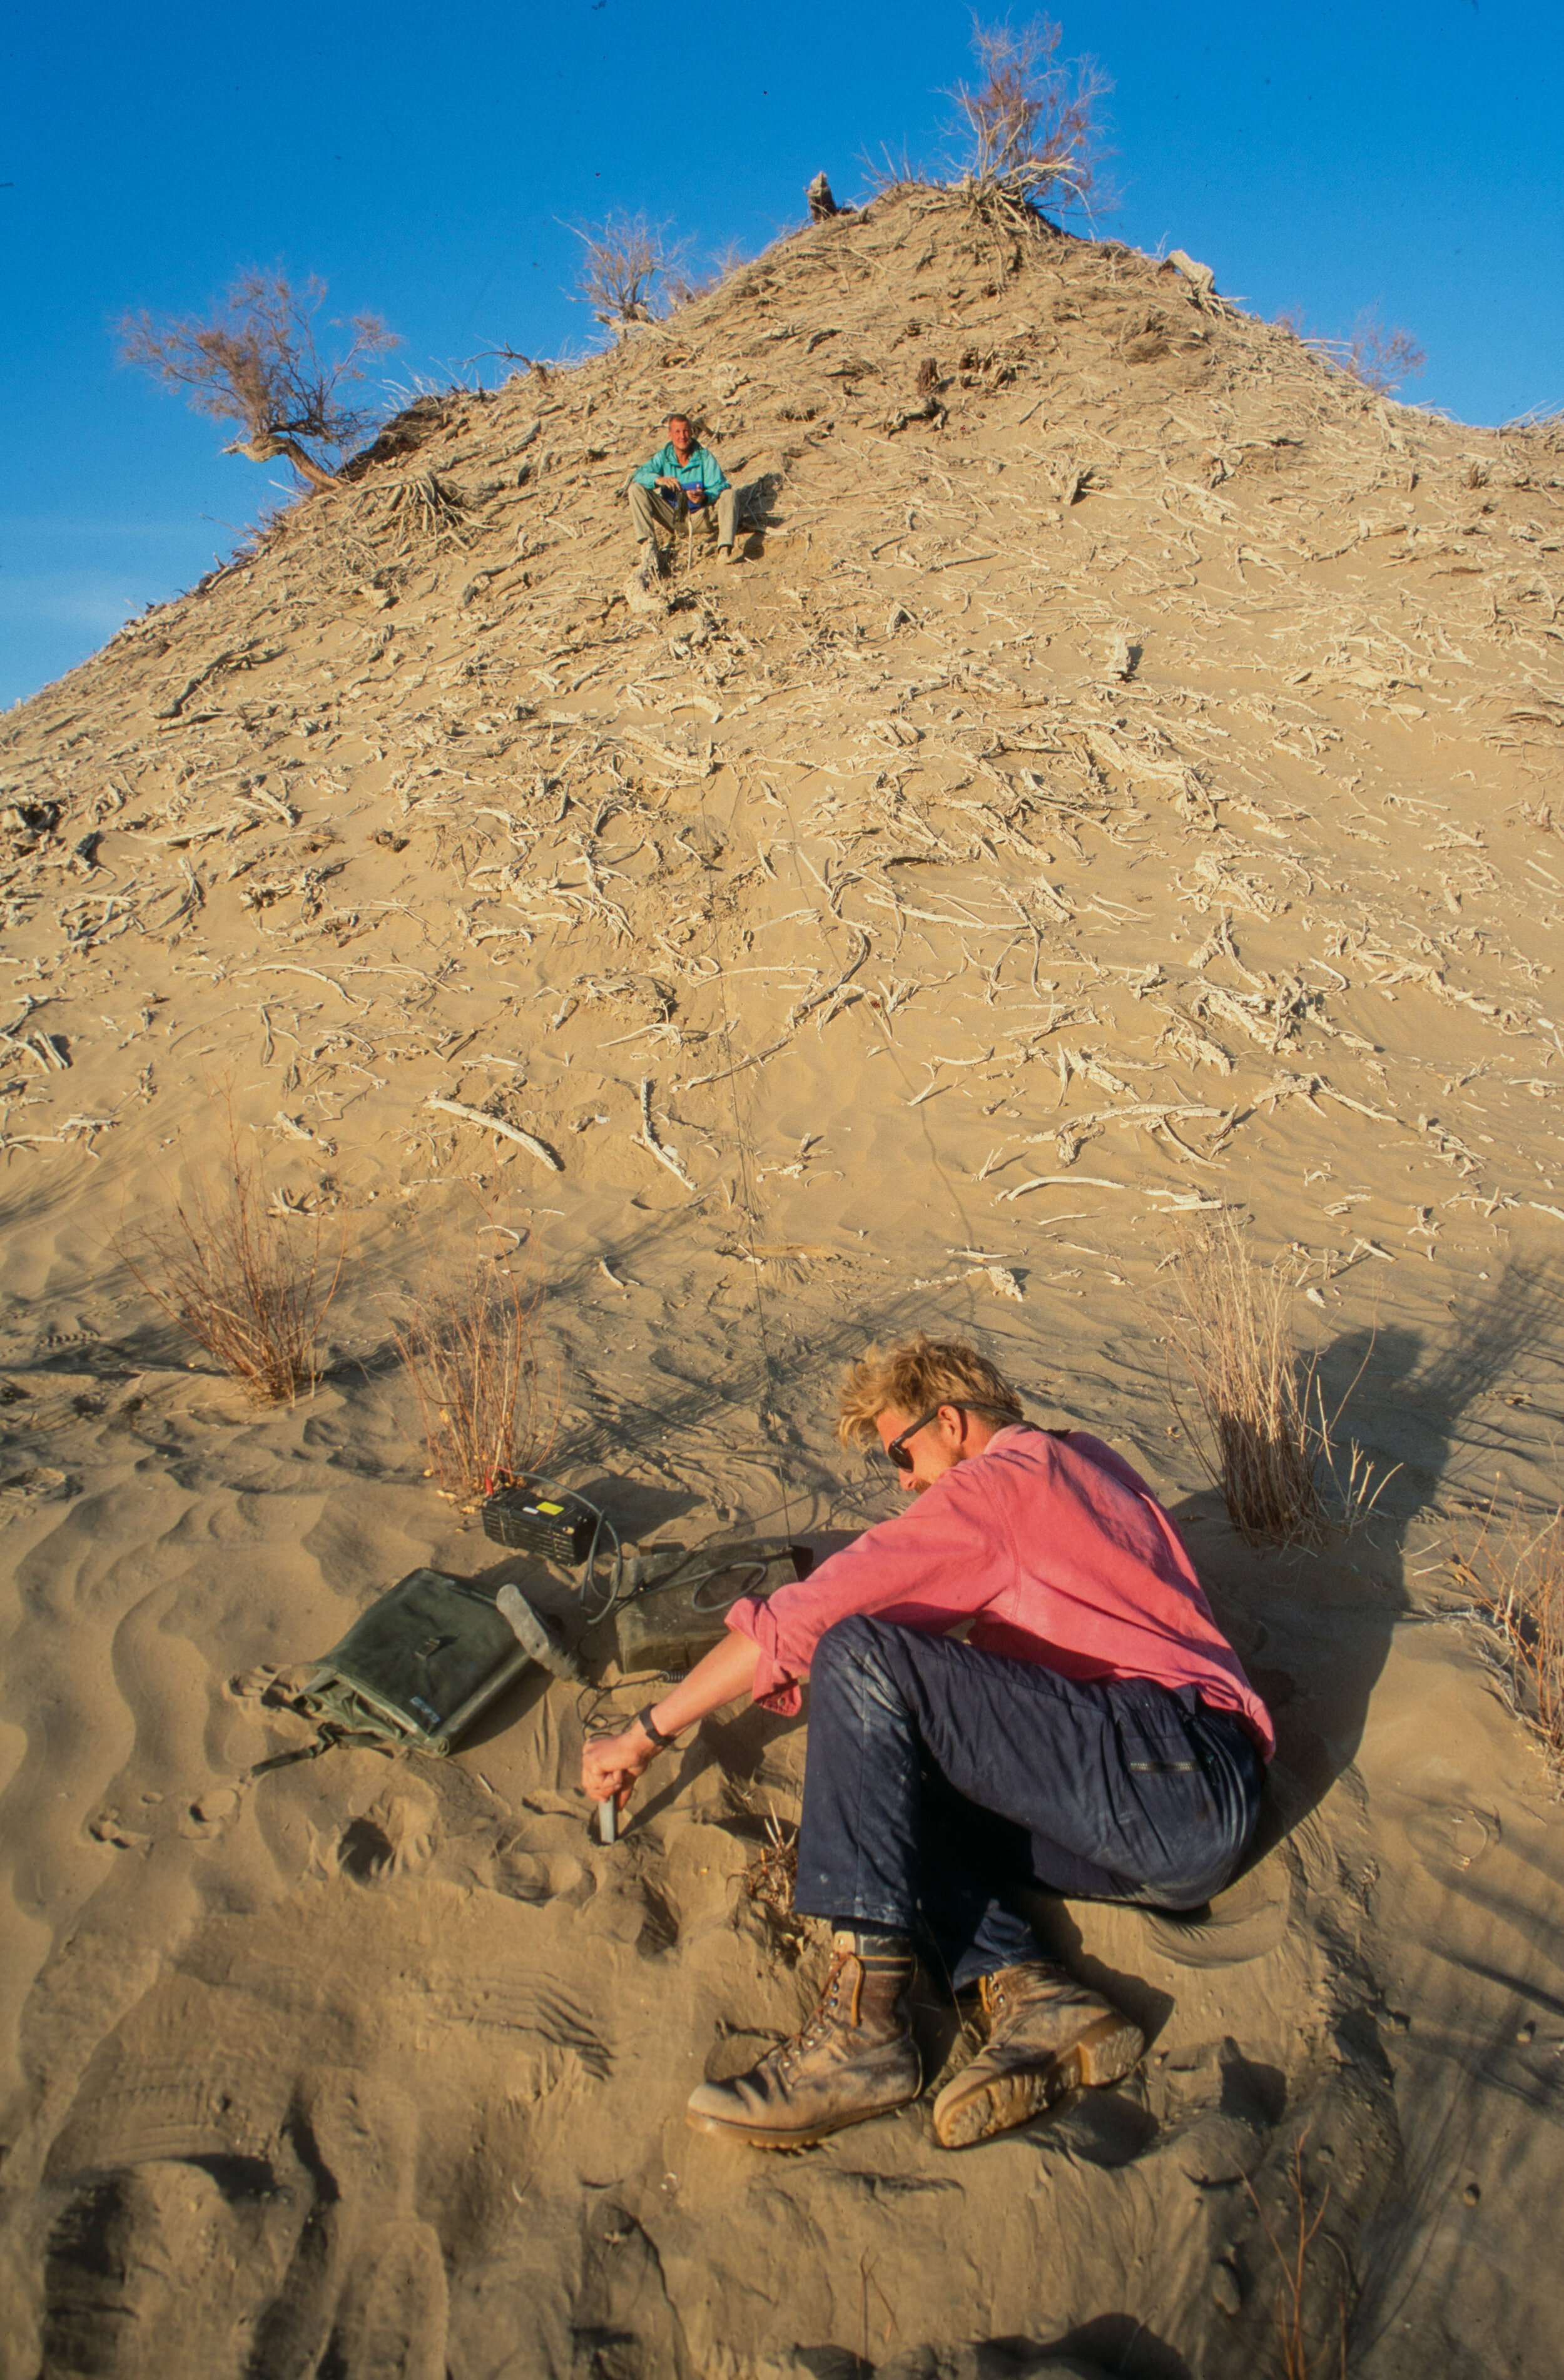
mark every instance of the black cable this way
{"type": "Point", "coordinates": [600, 1522]}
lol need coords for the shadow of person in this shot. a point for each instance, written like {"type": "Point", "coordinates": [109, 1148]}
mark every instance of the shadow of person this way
{"type": "Point", "coordinates": [1119, 2343]}
{"type": "Point", "coordinates": [757, 501]}
{"type": "Point", "coordinates": [1314, 1624]}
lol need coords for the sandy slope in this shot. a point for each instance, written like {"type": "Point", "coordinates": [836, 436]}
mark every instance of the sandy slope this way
{"type": "Point", "coordinates": [958, 963]}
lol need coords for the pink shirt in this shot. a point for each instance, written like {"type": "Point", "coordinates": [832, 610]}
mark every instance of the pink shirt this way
{"type": "Point", "coordinates": [1054, 1550]}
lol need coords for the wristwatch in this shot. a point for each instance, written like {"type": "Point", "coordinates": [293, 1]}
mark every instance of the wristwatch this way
{"type": "Point", "coordinates": [659, 1743]}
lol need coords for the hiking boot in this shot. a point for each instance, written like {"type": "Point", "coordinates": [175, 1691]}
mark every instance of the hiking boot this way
{"type": "Point", "coordinates": [1047, 2034]}
{"type": "Point", "coordinates": [854, 2059]}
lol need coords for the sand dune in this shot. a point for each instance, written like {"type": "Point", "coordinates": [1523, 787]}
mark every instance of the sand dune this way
{"type": "Point", "coordinates": [1122, 792]}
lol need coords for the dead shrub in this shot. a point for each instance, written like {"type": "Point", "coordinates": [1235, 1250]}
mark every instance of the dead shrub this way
{"type": "Point", "coordinates": [1543, 423]}
{"type": "Point", "coordinates": [468, 1345]}
{"type": "Point", "coordinates": [1031, 128]}
{"type": "Point", "coordinates": [248, 1280]}
{"type": "Point", "coordinates": [1514, 1573]}
{"type": "Point", "coordinates": [256, 361]}
{"type": "Point", "coordinates": [1269, 1437]}
{"type": "Point", "coordinates": [1379, 360]}
{"type": "Point", "coordinates": [686, 283]}
{"type": "Point", "coordinates": [625, 259]}
{"type": "Point", "coordinates": [1382, 358]}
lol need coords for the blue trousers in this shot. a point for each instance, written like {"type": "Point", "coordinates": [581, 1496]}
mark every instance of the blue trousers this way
{"type": "Point", "coordinates": [940, 1779]}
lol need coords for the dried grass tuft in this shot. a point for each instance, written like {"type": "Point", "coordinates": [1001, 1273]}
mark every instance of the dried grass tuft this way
{"type": "Point", "coordinates": [770, 1880]}
{"type": "Point", "coordinates": [232, 1271]}
{"type": "Point", "coordinates": [1269, 1437]}
{"type": "Point", "coordinates": [469, 1344]}
{"type": "Point", "coordinates": [1515, 1575]}
{"type": "Point", "coordinates": [773, 1875]}
{"type": "Point", "coordinates": [1231, 1326]}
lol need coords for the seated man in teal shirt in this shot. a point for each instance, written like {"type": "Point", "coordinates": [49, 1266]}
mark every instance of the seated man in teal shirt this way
{"type": "Point", "coordinates": [684, 467]}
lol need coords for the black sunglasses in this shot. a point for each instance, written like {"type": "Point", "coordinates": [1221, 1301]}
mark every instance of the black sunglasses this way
{"type": "Point", "coordinates": [899, 1452]}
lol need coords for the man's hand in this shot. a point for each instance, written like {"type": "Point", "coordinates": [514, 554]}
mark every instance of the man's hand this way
{"type": "Point", "coordinates": [611, 1765]}
{"type": "Point", "coordinates": [670, 485]}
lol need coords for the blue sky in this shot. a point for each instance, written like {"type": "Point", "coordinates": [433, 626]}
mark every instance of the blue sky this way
{"type": "Point", "coordinates": [425, 162]}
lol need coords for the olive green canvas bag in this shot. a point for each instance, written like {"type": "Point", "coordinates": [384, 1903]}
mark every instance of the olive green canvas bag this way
{"type": "Point", "coordinates": [413, 1671]}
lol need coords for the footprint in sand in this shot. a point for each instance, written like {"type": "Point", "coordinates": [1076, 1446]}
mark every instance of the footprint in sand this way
{"type": "Point", "coordinates": [395, 1837]}
{"type": "Point", "coordinates": [1451, 1839]}
{"type": "Point", "coordinates": [152, 2252]}
{"type": "Point", "coordinates": [391, 2321]}
{"type": "Point", "coordinates": [109, 1827]}
{"type": "Point", "coordinates": [536, 1876]}
{"type": "Point", "coordinates": [225, 2214]}
{"type": "Point", "coordinates": [35, 1483]}
{"type": "Point", "coordinates": [227, 2269]}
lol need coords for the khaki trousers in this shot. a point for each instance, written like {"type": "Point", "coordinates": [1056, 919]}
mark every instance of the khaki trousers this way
{"type": "Point", "coordinates": [650, 509]}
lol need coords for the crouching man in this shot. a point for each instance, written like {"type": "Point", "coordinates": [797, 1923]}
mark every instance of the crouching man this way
{"type": "Point", "coordinates": [682, 470]}
{"type": "Point", "coordinates": [1094, 1735]}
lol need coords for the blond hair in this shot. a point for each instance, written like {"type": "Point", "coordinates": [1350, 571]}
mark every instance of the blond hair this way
{"type": "Point", "coordinates": [918, 1373]}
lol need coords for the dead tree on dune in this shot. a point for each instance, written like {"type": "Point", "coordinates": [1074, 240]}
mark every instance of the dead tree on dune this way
{"type": "Point", "coordinates": [257, 362]}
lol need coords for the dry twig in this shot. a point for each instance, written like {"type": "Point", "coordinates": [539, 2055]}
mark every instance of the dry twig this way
{"type": "Point", "coordinates": [1295, 2260]}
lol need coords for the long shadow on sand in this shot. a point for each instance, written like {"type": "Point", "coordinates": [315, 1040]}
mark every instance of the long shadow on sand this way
{"type": "Point", "coordinates": [1315, 1626]}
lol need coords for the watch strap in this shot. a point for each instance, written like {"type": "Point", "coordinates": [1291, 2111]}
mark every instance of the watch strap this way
{"type": "Point", "coordinates": [660, 1742]}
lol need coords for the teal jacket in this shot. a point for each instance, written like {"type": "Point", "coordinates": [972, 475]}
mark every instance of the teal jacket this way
{"type": "Point", "coordinates": [700, 469]}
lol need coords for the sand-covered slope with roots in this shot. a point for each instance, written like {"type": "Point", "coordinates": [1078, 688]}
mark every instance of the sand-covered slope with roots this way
{"type": "Point", "coordinates": [1117, 786]}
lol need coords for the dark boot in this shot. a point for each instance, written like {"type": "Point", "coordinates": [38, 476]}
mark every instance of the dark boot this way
{"type": "Point", "coordinates": [854, 2059]}
{"type": "Point", "coordinates": [1047, 2034]}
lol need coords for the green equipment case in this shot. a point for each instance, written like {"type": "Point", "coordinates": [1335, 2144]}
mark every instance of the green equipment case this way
{"type": "Point", "coordinates": [418, 1666]}
{"type": "Point", "coordinates": [676, 1612]}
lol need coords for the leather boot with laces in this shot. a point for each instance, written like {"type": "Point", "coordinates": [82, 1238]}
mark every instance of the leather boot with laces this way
{"type": "Point", "coordinates": [854, 2059]}
{"type": "Point", "coordinates": [1047, 2034]}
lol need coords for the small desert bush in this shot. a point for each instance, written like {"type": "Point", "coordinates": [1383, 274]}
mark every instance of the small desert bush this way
{"type": "Point", "coordinates": [1270, 1445]}
{"type": "Point", "coordinates": [249, 1279]}
{"type": "Point", "coordinates": [625, 259]}
{"type": "Point", "coordinates": [1382, 358]}
{"type": "Point", "coordinates": [1514, 1573]}
{"type": "Point", "coordinates": [688, 282]}
{"type": "Point", "coordinates": [1379, 357]}
{"type": "Point", "coordinates": [1030, 126]}
{"type": "Point", "coordinates": [256, 361]}
{"type": "Point", "coordinates": [469, 1344]}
